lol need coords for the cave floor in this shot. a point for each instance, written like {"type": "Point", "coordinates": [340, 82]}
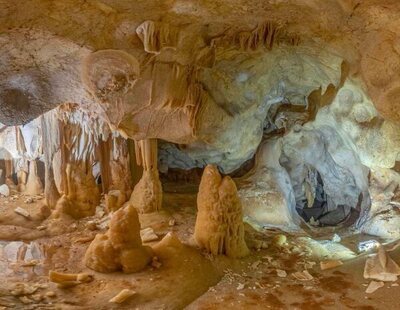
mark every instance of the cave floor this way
{"type": "Point", "coordinates": [187, 278]}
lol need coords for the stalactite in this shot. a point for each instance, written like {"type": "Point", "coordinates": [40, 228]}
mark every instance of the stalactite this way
{"type": "Point", "coordinates": [264, 35]}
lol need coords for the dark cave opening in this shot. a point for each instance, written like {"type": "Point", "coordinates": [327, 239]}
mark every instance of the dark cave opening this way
{"type": "Point", "coordinates": [318, 209]}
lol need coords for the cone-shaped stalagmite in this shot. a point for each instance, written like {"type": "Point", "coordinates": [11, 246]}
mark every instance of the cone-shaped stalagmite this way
{"type": "Point", "coordinates": [219, 225]}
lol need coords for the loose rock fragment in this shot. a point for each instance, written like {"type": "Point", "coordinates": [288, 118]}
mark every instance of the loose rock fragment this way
{"type": "Point", "coordinates": [4, 190]}
{"type": "Point", "coordinates": [50, 294]}
{"type": "Point", "coordinates": [373, 286]}
{"type": "Point", "coordinates": [280, 240]}
{"type": "Point", "coordinates": [24, 289]}
{"type": "Point", "coordinates": [65, 280]}
{"type": "Point", "coordinates": [281, 273]}
{"type": "Point", "coordinates": [156, 263]}
{"type": "Point", "coordinates": [329, 264]}
{"type": "Point", "coordinates": [122, 296]}
{"type": "Point", "coordinates": [30, 263]}
{"type": "Point", "coordinates": [303, 275]}
{"type": "Point", "coordinates": [148, 235]}
{"type": "Point", "coordinates": [22, 212]}
{"type": "Point", "coordinates": [381, 267]}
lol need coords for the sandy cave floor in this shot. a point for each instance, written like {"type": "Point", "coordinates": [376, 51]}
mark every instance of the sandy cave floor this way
{"type": "Point", "coordinates": [187, 278]}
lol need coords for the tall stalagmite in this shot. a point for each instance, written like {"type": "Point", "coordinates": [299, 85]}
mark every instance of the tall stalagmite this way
{"type": "Point", "coordinates": [219, 226]}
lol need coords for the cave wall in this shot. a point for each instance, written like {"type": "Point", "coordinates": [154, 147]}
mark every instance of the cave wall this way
{"type": "Point", "coordinates": [211, 78]}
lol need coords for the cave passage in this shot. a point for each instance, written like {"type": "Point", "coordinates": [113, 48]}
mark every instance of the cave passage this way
{"type": "Point", "coordinates": [315, 207]}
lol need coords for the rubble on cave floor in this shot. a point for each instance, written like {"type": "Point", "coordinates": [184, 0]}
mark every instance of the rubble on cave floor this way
{"type": "Point", "coordinates": [280, 272]}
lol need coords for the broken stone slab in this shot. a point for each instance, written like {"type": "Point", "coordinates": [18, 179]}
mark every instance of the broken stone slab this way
{"type": "Point", "coordinates": [4, 190]}
{"type": "Point", "coordinates": [381, 267]}
{"type": "Point", "coordinates": [148, 235]}
{"type": "Point", "coordinates": [23, 212]}
{"type": "Point", "coordinates": [373, 286]}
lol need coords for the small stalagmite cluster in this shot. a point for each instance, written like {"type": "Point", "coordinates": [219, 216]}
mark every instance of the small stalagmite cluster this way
{"type": "Point", "coordinates": [120, 248]}
{"type": "Point", "coordinates": [219, 224]}
{"type": "Point", "coordinates": [81, 195]}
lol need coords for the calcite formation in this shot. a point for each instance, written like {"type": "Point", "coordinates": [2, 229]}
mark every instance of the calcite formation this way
{"type": "Point", "coordinates": [147, 194]}
{"type": "Point", "coordinates": [112, 109]}
{"type": "Point", "coordinates": [120, 248]}
{"type": "Point", "coordinates": [81, 194]}
{"type": "Point", "coordinates": [33, 185]}
{"type": "Point", "coordinates": [219, 226]}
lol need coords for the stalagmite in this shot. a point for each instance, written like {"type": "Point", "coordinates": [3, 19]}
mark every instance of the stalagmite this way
{"type": "Point", "coordinates": [51, 144]}
{"type": "Point", "coordinates": [34, 185]}
{"type": "Point", "coordinates": [120, 248]}
{"type": "Point", "coordinates": [219, 226]}
{"type": "Point", "coordinates": [81, 193]}
{"type": "Point", "coordinates": [115, 172]}
{"type": "Point", "coordinates": [147, 195]}
{"type": "Point", "coordinates": [22, 177]}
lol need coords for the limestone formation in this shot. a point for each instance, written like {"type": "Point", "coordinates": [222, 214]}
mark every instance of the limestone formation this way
{"type": "Point", "coordinates": [34, 185]}
{"type": "Point", "coordinates": [110, 111]}
{"type": "Point", "coordinates": [219, 225]}
{"type": "Point", "coordinates": [120, 248]}
{"type": "Point", "coordinates": [81, 196]}
{"type": "Point", "coordinates": [381, 267]}
{"type": "Point", "coordinates": [147, 194]}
